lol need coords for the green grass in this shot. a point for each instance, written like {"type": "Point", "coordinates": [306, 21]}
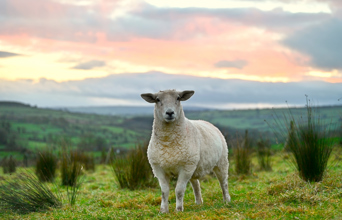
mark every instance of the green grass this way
{"type": "Point", "coordinates": [279, 194]}
{"type": "Point", "coordinates": [254, 118]}
{"type": "Point", "coordinates": [35, 145]}
{"type": "Point", "coordinates": [34, 127]}
{"type": "Point", "coordinates": [16, 155]}
{"type": "Point", "coordinates": [114, 129]}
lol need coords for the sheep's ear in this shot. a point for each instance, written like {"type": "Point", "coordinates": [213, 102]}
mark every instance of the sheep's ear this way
{"type": "Point", "coordinates": [149, 97]}
{"type": "Point", "coordinates": [185, 95]}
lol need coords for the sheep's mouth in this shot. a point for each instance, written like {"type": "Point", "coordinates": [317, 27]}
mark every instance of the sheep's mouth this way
{"type": "Point", "coordinates": [170, 119]}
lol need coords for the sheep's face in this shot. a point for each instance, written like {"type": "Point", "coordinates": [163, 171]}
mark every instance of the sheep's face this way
{"type": "Point", "coordinates": [167, 103]}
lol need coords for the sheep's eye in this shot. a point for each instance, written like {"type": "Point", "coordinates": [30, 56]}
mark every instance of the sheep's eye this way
{"type": "Point", "coordinates": [157, 99]}
{"type": "Point", "coordinates": [178, 98]}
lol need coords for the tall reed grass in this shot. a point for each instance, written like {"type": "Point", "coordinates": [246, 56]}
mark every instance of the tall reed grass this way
{"type": "Point", "coordinates": [71, 168]}
{"type": "Point", "coordinates": [9, 165]}
{"type": "Point", "coordinates": [71, 172]}
{"type": "Point", "coordinates": [46, 165]}
{"type": "Point", "coordinates": [264, 154]}
{"type": "Point", "coordinates": [25, 194]}
{"type": "Point", "coordinates": [309, 140]}
{"type": "Point", "coordinates": [133, 170]}
{"type": "Point", "coordinates": [242, 155]}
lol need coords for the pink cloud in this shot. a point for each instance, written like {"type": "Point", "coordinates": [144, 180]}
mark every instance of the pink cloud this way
{"type": "Point", "coordinates": [178, 39]}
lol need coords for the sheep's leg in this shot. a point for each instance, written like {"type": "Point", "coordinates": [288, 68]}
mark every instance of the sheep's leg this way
{"type": "Point", "coordinates": [183, 179]}
{"type": "Point", "coordinates": [165, 188]}
{"type": "Point", "coordinates": [222, 176]}
{"type": "Point", "coordinates": [197, 190]}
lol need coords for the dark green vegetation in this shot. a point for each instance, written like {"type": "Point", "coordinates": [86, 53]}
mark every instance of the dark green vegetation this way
{"type": "Point", "coordinates": [25, 193]}
{"type": "Point", "coordinates": [46, 165]}
{"type": "Point", "coordinates": [132, 171]}
{"type": "Point", "coordinates": [242, 154]}
{"type": "Point", "coordinates": [310, 141]}
{"type": "Point", "coordinates": [9, 165]}
{"type": "Point", "coordinates": [71, 167]}
{"type": "Point", "coordinates": [264, 154]}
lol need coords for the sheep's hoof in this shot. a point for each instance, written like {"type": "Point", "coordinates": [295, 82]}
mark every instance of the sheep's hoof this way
{"type": "Point", "coordinates": [227, 200]}
{"type": "Point", "coordinates": [163, 210]}
{"type": "Point", "coordinates": [179, 209]}
{"type": "Point", "coordinates": [199, 202]}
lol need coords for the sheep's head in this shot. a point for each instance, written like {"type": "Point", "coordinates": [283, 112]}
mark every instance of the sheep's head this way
{"type": "Point", "coordinates": [167, 103]}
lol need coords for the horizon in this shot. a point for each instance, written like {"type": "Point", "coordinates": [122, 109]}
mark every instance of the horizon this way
{"type": "Point", "coordinates": [185, 107]}
{"type": "Point", "coordinates": [125, 89]}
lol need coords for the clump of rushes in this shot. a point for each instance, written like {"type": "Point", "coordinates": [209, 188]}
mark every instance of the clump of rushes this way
{"type": "Point", "coordinates": [309, 142]}
{"type": "Point", "coordinates": [25, 194]}
{"type": "Point", "coordinates": [71, 169]}
{"type": "Point", "coordinates": [9, 165]}
{"type": "Point", "coordinates": [86, 159]}
{"type": "Point", "coordinates": [241, 154]}
{"type": "Point", "coordinates": [133, 171]}
{"type": "Point", "coordinates": [264, 154]}
{"type": "Point", "coordinates": [46, 166]}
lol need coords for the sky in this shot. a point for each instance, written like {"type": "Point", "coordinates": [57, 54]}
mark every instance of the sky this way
{"type": "Point", "coordinates": [233, 53]}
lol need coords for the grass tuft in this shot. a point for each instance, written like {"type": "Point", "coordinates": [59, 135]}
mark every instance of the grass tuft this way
{"type": "Point", "coordinates": [264, 154]}
{"type": "Point", "coordinates": [25, 194]}
{"type": "Point", "coordinates": [9, 165]}
{"type": "Point", "coordinates": [46, 166]}
{"type": "Point", "coordinates": [133, 171]}
{"type": "Point", "coordinates": [71, 168]}
{"type": "Point", "coordinates": [310, 142]}
{"type": "Point", "coordinates": [242, 155]}
{"type": "Point", "coordinates": [86, 159]}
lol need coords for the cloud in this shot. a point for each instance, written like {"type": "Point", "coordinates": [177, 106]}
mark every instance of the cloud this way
{"type": "Point", "coordinates": [275, 19]}
{"type": "Point", "coordinates": [90, 65]}
{"type": "Point", "coordinates": [125, 89]}
{"type": "Point", "coordinates": [49, 19]}
{"type": "Point", "coordinates": [239, 64]}
{"type": "Point", "coordinates": [322, 42]}
{"type": "Point", "coordinates": [82, 23]}
{"type": "Point", "coordinates": [4, 54]}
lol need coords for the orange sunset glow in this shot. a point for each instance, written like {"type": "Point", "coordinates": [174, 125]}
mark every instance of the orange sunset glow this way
{"type": "Point", "coordinates": [261, 41]}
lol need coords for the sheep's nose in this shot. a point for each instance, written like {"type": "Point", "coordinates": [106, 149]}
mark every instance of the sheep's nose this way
{"type": "Point", "coordinates": [170, 113]}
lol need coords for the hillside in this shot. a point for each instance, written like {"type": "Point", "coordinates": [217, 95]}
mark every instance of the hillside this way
{"type": "Point", "coordinates": [24, 127]}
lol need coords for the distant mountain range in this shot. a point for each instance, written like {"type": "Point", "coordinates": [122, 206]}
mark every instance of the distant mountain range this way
{"type": "Point", "coordinates": [124, 110]}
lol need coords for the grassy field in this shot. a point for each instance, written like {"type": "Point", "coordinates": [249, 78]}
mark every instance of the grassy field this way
{"type": "Point", "coordinates": [278, 194]}
{"type": "Point", "coordinates": [35, 128]}
{"type": "Point", "coordinates": [255, 118]}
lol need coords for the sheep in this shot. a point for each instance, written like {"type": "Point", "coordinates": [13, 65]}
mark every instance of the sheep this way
{"type": "Point", "coordinates": [183, 148]}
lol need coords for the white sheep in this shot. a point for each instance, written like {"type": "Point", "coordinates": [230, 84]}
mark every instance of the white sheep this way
{"type": "Point", "coordinates": [184, 148]}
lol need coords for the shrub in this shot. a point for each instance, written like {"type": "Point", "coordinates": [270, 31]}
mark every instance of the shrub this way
{"type": "Point", "coordinates": [25, 194]}
{"type": "Point", "coordinates": [9, 165]}
{"type": "Point", "coordinates": [133, 171]}
{"type": "Point", "coordinates": [103, 156]}
{"type": "Point", "coordinates": [310, 143]}
{"type": "Point", "coordinates": [264, 154]}
{"type": "Point", "coordinates": [71, 171]}
{"type": "Point", "coordinates": [86, 159]}
{"type": "Point", "coordinates": [46, 165]}
{"type": "Point", "coordinates": [241, 154]}
{"type": "Point", "coordinates": [70, 168]}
